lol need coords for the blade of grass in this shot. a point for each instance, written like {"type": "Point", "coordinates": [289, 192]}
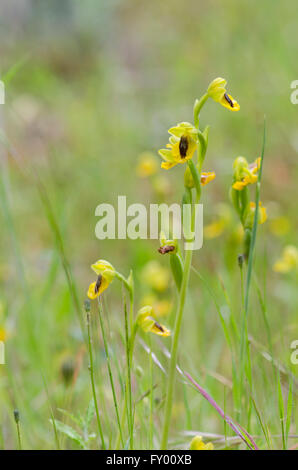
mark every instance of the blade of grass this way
{"type": "Point", "coordinates": [250, 443]}
{"type": "Point", "coordinates": [102, 326]}
{"type": "Point", "coordinates": [244, 344]}
{"type": "Point", "coordinates": [289, 411]}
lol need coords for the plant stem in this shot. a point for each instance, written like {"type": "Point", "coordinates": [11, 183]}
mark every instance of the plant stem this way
{"type": "Point", "coordinates": [128, 384]}
{"type": "Point", "coordinates": [131, 348]}
{"type": "Point", "coordinates": [174, 350]}
{"type": "Point", "coordinates": [17, 420]}
{"type": "Point", "coordinates": [102, 326]}
{"type": "Point", "coordinates": [244, 345]}
{"type": "Point", "coordinates": [151, 398]}
{"type": "Point", "coordinates": [93, 383]}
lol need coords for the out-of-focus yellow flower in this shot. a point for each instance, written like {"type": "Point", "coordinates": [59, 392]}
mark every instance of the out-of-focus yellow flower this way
{"type": "Point", "coordinates": [244, 173]}
{"type": "Point", "coordinates": [237, 234]}
{"type": "Point", "coordinates": [147, 165]}
{"type": "Point", "coordinates": [214, 230]}
{"type": "Point", "coordinates": [147, 322]}
{"type": "Point", "coordinates": [161, 185]}
{"type": "Point", "coordinates": [288, 260]}
{"type": "Point", "coordinates": [206, 177]}
{"type": "Point", "coordinates": [217, 91]}
{"type": "Point", "coordinates": [250, 212]}
{"type": "Point", "coordinates": [198, 444]}
{"type": "Point", "coordinates": [224, 219]}
{"type": "Point", "coordinates": [3, 334]}
{"type": "Point", "coordinates": [161, 307]}
{"type": "Point", "coordinates": [280, 226]}
{"type": "Point", "coordinates": [262, 211]}
{"type": "Point", "coordinates": [106, 273]}
{"type": "Point", "coordinates": [182, 145]}
{"type": "Point", "coordinates": [155, 276]}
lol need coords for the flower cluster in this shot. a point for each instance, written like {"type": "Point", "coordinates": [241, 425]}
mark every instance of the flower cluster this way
{"type": "Point", "coordinates": [246, 174]}
{"type": "Point", "coordinates": [187, 144]}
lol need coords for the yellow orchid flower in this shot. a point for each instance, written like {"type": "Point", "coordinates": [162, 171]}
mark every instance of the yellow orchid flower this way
{"type": "Point", "coordinates": [147, 165]}
{"type": "Point", "coordinates": [182, 145]}
{"type": "Point", "coordinates": [217, 91]}
{"type": "Point", "coordinates": [288, 261]}
{"type": "Point", "coordinates": [223, 220]}
{"type": "Point", "coordinates": [106, 273]}
{"type": "Point", "coordinates": [280, 226]}
{"type": "Point", "coordinates": [161, 307]}
{"type": "Point", "coordinates": [244, 173]}
{"type": "Point", "coordinates": [198, 444]}
{"type": "Point", "coordinates": [146, 321]}
{"type": "Point", "coordinates": [155, 276]}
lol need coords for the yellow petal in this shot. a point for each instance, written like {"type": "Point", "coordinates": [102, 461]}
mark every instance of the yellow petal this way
{"type": "Point", "coordinates": [168, 165]}
{"type": "Point", "coordinates": [239, 185]}
{"type": "Point", "coordinates": [101, 266]}
{"type": "Point", "coordinates": [207, 177]}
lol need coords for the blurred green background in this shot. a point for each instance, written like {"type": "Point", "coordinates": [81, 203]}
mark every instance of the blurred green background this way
{"type": "Point", "coordinates": [89, 86]}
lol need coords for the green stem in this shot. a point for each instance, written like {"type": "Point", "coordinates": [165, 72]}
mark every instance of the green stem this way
{"type": "Point", "coordinates": [128, 383]}
{"type": "Point", "coordinates": [178, 322]}
{"type": "Point", "coordinates": [197, 108]}
{"type": "Point", "coordinates": [151, 398]}
{"type": "Point", "coordinates": [17, 420]}
{"type": "Point", "coordinates": [102, 326]}
{"type": "Point", "coordinates": [93, 383]}
{"type": "Point", "coordinates": [174, 350]}
{"type": "Point", "coordinates": [130, 290]}
{"type": "Point", "coordinates": [131, 348]}
{"type": "Point", "coordinates": [244, 334]}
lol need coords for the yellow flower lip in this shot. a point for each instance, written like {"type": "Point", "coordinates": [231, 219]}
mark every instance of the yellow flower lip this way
{"type": "Point", "coordinates": [96, 288]}
{"type": "Point", "coordinates": [228, 102]}
{"type": "Point", "coordinates": [147, 322]}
